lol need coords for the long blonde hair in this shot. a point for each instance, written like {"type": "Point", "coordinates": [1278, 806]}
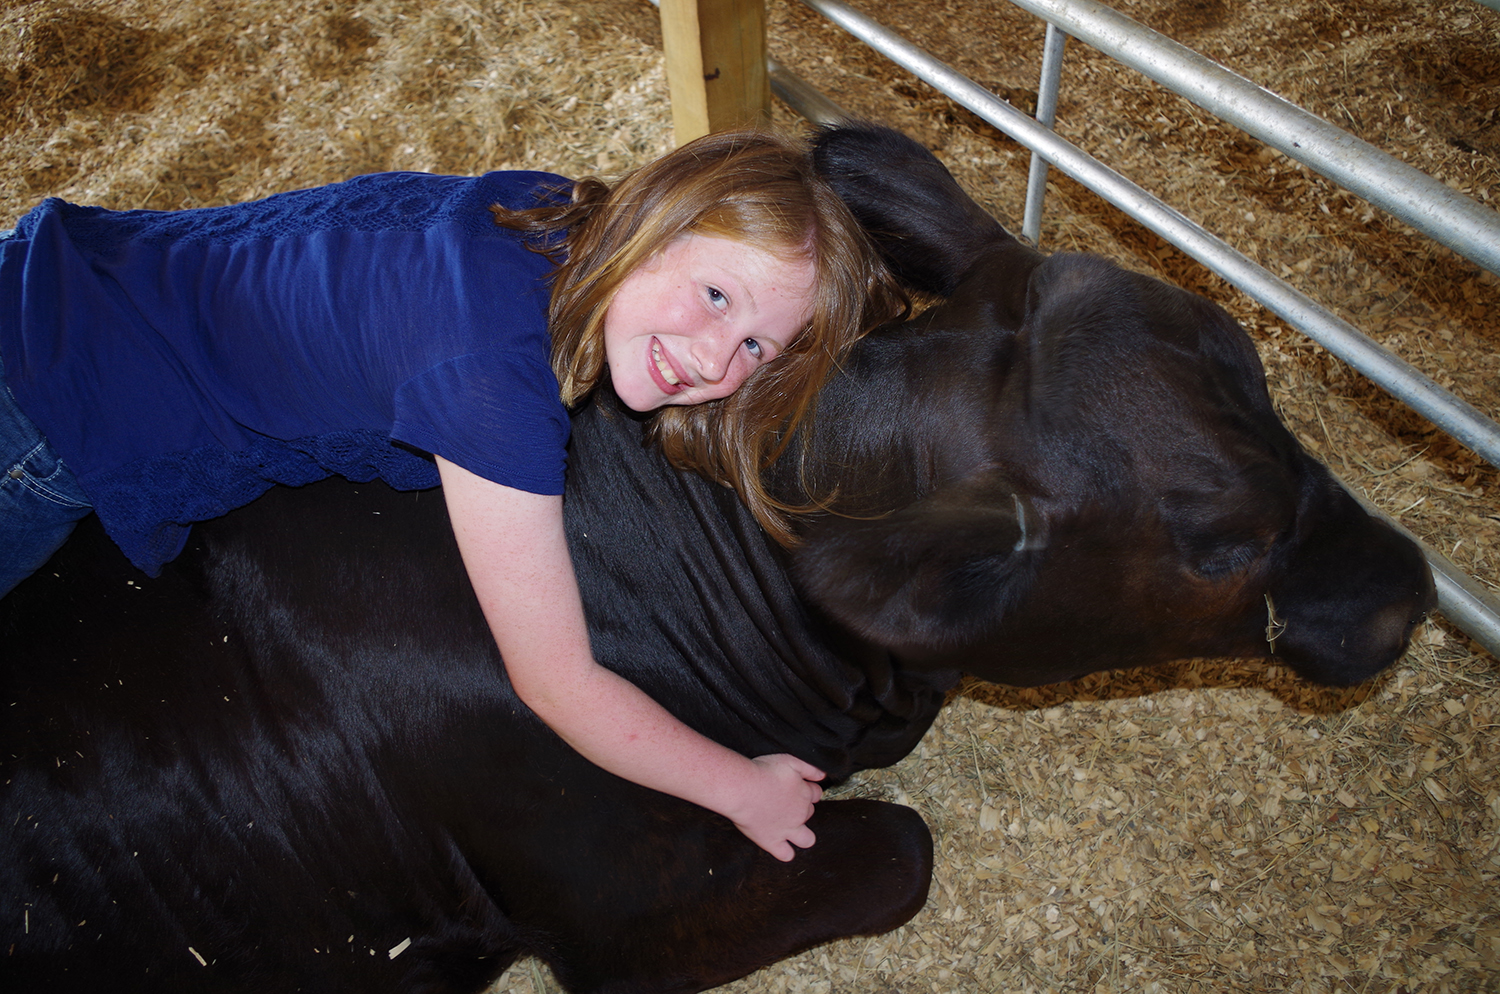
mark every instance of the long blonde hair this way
{"type": "Point", "coordinates": [757, 186]}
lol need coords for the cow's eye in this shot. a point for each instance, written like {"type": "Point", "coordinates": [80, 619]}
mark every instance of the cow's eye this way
{"type": "Point", "coordinates": [1226, 559]}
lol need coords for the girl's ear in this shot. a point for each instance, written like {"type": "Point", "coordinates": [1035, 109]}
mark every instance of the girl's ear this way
{"type": "Point", "coordinates": [931, 577]}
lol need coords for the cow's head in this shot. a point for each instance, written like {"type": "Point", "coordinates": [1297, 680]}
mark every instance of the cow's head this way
{"type": "Point", "coordinates": [1068, 467]}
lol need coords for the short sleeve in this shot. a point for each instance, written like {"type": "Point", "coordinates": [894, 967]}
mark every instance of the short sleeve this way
{"type": "Point", "coordinates": [497, 414]}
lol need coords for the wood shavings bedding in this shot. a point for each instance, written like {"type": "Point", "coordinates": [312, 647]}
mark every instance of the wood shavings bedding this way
{"type": "Point", "coordinates": [1205, 826]}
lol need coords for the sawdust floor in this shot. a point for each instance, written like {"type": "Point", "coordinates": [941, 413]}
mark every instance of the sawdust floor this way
{"type": "Point", "coordinates": [1202, 827]}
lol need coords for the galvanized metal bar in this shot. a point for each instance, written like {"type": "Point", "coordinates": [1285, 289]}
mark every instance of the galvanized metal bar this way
{"type": "Point", "coordinates": [1046, 116]}
{"type": "Point", "coordinates": [1439, 212]}
{"type": "Point", "coordinates": [802, 97]}
{"type": "Point", "coordinates": [1466, 424]}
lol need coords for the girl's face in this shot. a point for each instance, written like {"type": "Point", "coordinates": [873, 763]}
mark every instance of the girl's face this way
{"type": "Point", "coordinates": [691, 322]}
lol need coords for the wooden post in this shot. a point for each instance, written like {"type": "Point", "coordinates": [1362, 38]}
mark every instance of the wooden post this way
{"type": "Point", "coordinates": [716, 65]}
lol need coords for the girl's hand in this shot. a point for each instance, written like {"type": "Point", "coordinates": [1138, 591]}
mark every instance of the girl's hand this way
{"type": "Point", "coordinates": [775, 818]}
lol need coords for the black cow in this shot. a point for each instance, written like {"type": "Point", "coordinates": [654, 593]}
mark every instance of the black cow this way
{"type": "Point", "coordinates": [294, 762]}
{"type": "Point", "coordinates": [1086, 466]}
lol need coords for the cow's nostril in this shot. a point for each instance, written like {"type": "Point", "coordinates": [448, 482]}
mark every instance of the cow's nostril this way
{"type": "Point", "coordinates": [1394, 627]}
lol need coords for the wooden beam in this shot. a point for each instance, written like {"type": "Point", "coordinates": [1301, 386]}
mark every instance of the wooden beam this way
{"type": "Point", "coordinates": [716, 65]}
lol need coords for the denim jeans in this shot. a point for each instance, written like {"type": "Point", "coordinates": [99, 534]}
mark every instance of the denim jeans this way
{"type": "Point", "coordinates": [40, 499]}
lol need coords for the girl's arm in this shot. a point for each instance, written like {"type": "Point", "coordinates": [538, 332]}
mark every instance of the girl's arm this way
{"type": "Point", "coordinates": [517, 557]}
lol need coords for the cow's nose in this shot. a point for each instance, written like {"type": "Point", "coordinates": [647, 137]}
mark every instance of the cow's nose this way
{"type": "Point", "coordinates": [1392, 628]}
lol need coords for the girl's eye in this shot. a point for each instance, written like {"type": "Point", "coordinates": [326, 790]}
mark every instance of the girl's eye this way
{"type": "Point", "coordinates": [754, 347]}
{"type": "Point", "coordinates": [717, 298]}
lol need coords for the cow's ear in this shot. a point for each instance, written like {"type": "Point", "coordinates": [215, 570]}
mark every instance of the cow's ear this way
{"type": "Point", "coordinates": [931, 577]}
{"type": "Point", "coordinates": [928, 229]}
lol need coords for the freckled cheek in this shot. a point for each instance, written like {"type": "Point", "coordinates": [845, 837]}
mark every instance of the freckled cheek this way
{"type": "Point", "coordinates": [740, 370]}
{"type": "Point", "coordinates": [669, 313]}
{"type": "Point", "coordinates": [676, 298]}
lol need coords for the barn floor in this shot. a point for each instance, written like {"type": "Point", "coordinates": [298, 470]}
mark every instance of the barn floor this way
{"type": "Point", "coordinates": [1203, 827]}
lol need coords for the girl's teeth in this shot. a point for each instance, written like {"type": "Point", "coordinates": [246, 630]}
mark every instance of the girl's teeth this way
{"type": "Point", "coordinates": [661, 365]}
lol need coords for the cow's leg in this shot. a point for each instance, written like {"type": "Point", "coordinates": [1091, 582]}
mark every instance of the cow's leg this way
{"type": "Point", "coordinates": [622, 889]}
{"type": "Point", "coordinates": [868, 874]}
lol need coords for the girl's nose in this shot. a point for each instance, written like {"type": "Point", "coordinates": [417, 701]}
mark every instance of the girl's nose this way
{"type": "Point", "coordinates": [714, 354]}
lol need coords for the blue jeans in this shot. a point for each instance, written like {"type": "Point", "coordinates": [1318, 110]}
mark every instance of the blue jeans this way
{"type": "Point", "coordinates": [40, 499]}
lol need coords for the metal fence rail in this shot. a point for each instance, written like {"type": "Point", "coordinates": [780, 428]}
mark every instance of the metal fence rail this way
{"type": "Point", "coordinates": [1410, 195]}
{"type": "Point", "coordinates": [1462, 599]}
{"type": "Point", "coordinates": [1458, 418]}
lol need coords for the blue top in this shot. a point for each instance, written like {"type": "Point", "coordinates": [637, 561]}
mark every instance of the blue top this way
{"type": "Point", "coordinates": [183, 362]}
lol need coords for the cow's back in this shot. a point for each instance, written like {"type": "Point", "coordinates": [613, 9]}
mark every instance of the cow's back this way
{"type": "Point", "coordinates": [208, 764]}
{"type": "Point", "coordinates": [297, 749]}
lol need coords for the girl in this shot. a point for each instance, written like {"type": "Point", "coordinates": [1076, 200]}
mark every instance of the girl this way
{"type": "Point", "coordinates": [174, 365]}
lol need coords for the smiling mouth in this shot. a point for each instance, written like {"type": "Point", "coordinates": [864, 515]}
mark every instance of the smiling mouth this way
{"type": "Point", "coordinates": [663, 367]}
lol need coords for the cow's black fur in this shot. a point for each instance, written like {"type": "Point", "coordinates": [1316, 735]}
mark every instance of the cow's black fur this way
{"type": "Point", "coordinates": [301, 734]}
{"type": "Point", "coordinates": [1125, 419]}
{"type": "Point", "coordinates": [298, 747]}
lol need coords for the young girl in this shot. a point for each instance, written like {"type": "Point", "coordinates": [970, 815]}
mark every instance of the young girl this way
{"type": "Point", "coordinates": [162, 368]}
